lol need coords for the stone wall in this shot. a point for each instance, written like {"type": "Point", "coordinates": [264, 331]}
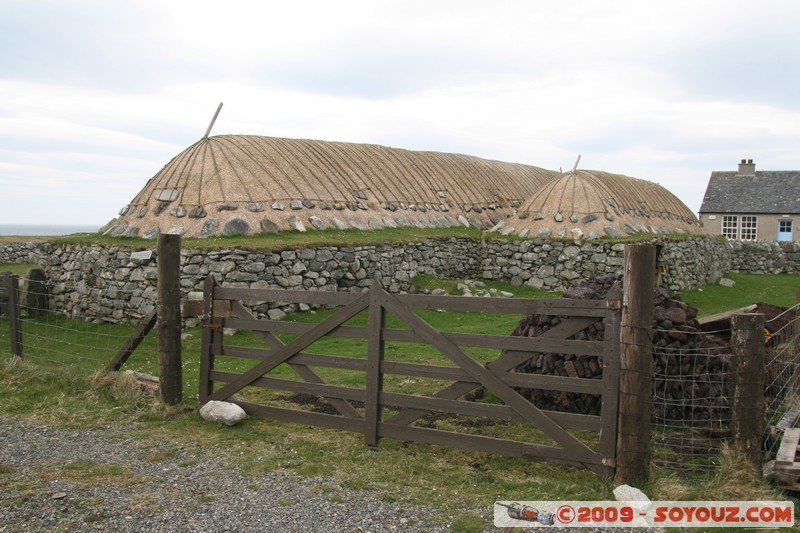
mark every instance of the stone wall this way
{"type": "Point", "coordinates": [554, 265]}
{"type": "Point", "coordinates": [24, 252]}
{"type": "Point", "coordinates": [115, 283]}
{"type": "Point", "coordinates": [765, 257]}
{"type": "Point", "coordinates": [109, 283]}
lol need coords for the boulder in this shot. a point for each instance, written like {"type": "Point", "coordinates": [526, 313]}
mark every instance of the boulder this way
{"type": "Point", "coordinates": [296, 224]}
{"type": "Point", "coordinates": [268, 226]}
{"type": "Point", "coordinates": [236, 226]}
{"type": "Point", "coordinates": [632, 496]}
{"type": "Point", "coordinates": [210, 227]}
{"type": "Point", "coordinates": [223, 412]}
{"type": "Point", "coordinates": [316, 222]}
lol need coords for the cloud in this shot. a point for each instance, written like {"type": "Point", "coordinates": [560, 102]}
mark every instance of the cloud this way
{"type": "Point", "coordinates": [97, 96]}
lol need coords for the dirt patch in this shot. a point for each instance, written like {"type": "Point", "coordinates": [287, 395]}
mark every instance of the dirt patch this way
{"type": "Point", "coordinates": [317, 404]}
{"type": "Point", "coordinates": [775, 317]}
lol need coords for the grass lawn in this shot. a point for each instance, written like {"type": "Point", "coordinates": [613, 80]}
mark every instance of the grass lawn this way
{"type": "Point", "coordinates": [17, 269]}
{"type": "Point", "coordinates": [780, 290]}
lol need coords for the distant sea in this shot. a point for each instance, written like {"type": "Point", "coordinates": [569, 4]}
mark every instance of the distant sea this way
{"type": "Point", "coordinates": [45, 229]}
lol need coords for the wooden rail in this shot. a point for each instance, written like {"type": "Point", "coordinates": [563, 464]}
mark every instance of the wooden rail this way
{"type": "Point", "coordinates": [377, 413]}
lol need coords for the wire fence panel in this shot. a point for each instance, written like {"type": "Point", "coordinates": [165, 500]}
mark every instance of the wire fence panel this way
{"type": "Point", "coordinates": [692, 396]}
{"type": "Point", "coordinates": [782, 393]}
{"type": "Point", "coordinates": [692, 407]}
{"type": "Point", "coordinates": [84, 342]}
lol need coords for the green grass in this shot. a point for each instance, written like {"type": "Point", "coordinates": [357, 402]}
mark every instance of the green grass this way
{"type": "Point", "coordinates": [430, 282]}
{"type": "Point", "coordinates": [288, 239]}
{"type": "Point", "coordinates": [780, 290]}
{"type": "Point", "coordinates": [17, 269]}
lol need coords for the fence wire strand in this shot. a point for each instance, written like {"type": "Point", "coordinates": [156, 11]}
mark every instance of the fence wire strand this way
{"type": "Point", "coordinates": [57, 339]}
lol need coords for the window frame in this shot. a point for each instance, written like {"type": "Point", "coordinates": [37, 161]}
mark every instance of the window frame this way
{"type": "Point", "coordinates": [730, 227]}
{"type": "Point", "coordinates": [748, 228]}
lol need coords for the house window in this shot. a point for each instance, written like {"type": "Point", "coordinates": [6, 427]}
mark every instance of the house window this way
{"type": "Point", "coordinates": [730, 227]}
{"type": "Point", "coordinates": [749, 227]}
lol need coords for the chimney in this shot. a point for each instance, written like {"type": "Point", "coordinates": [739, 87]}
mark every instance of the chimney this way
{"type": "Point", "coordinates": [747, 168]}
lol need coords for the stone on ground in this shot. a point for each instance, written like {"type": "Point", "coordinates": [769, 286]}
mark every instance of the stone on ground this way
{"type": "Point", "coordinates": [223, 412]}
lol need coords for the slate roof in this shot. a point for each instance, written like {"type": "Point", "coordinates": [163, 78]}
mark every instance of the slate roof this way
{"type": "Point", "coordinates": [769, 191]}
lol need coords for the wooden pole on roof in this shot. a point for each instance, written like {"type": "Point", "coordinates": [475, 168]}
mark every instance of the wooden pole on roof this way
{"type": "Point", "coordinates": [574, 168]}
{"type": "Point", "coordinates": [213, 120]}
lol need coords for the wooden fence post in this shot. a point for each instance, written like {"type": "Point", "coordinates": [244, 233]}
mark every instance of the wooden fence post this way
{"type": "Point", "coordinates": [375, 353]}
{"type": "Point", "coordinates": [747, 384]}
{"type": "Point", "coordinates": [14, 317]}
{"type": "Point", "coordinates": [634, 423]}
{"type": "Point", "coordinates": [206, 354]}
{"type": "Point", "coordinates": [168, 322]}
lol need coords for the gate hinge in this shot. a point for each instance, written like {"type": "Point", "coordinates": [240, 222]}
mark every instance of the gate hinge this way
{"type": "Point", "coordinates": [212, 325]}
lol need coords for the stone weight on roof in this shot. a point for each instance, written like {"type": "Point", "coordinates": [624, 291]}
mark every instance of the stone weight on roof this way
{"type": "Point", "coordinates": [276, 184]}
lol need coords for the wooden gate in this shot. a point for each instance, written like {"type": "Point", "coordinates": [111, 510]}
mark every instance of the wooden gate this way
{"type": "Point", "coordinates": [376, 411]}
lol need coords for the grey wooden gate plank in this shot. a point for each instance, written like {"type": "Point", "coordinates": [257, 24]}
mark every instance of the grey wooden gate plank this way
{"type": "Point", "coordinates": [288, 350]}
{"type": "Point", "coordinates": [504, 363]}
{"type": "Point", "coordinates": [302, 370]}
{"type": "Point", "coordinates": [491, 381]}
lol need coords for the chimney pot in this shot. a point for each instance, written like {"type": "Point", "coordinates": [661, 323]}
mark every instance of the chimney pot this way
{"type": "Point", "coordinates": [747, 168]}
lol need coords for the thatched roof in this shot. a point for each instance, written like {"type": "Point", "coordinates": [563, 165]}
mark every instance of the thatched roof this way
{"type": "Point", "coordinates": [598, 204]}
{"type": "Point", "coordinates": [249, 184]}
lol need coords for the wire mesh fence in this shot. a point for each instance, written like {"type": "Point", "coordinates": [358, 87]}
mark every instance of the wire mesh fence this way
{"type": "Point", "coordinates": [692, 408]}
{"type": "Point", "coordinates": [62, 340]}
{"type": "Point", "coordinates": [782, 393]}
{"type": "Point", "coordinates": [693, 397]}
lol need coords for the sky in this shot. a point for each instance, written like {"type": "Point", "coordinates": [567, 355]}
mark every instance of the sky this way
{"type": "Point", "coordinates": [97, 96]}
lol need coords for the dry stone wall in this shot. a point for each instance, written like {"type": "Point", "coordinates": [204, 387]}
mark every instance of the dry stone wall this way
{"type": "Point", "coordinates": [119, 284]}
{"type": "Point", "coordinates": [24, 252]}
{"type": "Point", "coordinates": [765, 257]}
{"type": "Point", "coordinates": [114, 283]}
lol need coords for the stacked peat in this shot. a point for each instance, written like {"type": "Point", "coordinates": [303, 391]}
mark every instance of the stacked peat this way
{"type": "Point", "coordinates": [689, 367]}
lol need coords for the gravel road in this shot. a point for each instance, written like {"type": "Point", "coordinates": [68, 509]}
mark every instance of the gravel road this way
{"type": "Point", "coordinates": [55, 479]}
{"type": "Point", "coordinates": [182, 491]}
